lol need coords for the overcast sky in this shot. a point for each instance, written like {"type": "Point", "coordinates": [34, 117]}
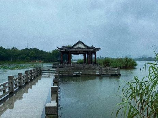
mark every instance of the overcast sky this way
{"type": "Point", "coordinates": [119, 27]}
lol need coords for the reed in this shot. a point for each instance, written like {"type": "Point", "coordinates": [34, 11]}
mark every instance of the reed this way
{"type": "Point", "coordinates": [140, 97]}
{"type": "Point", "coordinates": [123, 63]}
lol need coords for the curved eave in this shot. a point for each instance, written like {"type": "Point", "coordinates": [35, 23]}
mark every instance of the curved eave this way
{"type": "Point", "coordinates": [78, 49]}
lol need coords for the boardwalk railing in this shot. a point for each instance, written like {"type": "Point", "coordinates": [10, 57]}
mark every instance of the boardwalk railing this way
{"type": "Point", "coordinates": [75, 70]}
{"type": "Point", "coordinates": [14, 83]}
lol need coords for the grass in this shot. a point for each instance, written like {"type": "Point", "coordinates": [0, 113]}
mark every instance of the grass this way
{"type": "Point", "coordinates": [123, 63]}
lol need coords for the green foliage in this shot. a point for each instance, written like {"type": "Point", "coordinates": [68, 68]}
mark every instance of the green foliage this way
{"type": "Point", "coordinates": [55, 55]}
{"type": "Point", "coordinates": [140, 97]}
{"type": "Point", "coordinates": [20, 66]}
{"type": "Point", "coordinates": [80, 61]}
{"type": "Point", "coordinates": [27, 55]}
{"type": "Point", "coordinates": [123, 63]}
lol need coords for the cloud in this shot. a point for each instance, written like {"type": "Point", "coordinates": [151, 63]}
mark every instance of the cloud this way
{"type": "Point", "coordinates": [119, 28]}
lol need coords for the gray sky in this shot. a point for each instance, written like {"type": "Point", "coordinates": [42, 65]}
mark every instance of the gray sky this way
{"type": "Point", "coordinates": [119, 27]}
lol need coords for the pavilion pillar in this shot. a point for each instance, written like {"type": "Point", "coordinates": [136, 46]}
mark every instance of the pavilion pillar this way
{"type": "Point", "coordinates": [61, 61]}
{"type": "Point", "coordinates": [95, 60]}
{"type": "Point", "coordinates": [69, 58]}
{"type": "Point", "coordinates": [84, 58]}
{"type": "Point", "coordinates": [91, 57]}
{"type": "Point", "coordinates": [87, 58]}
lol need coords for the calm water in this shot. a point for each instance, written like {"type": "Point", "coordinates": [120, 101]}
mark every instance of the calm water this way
{"type": "Point", "coordinates": [94, 97]}
{"type": "Point", "coordinates": [5, 73]}
{"type": "Point", "coordinates": [80, 97]}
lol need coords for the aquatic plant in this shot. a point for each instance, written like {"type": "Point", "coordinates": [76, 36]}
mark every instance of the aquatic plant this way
{"type": "Point", "coordinates": [18, 66]}
{"type": "Point", "coordinates": [123, 63]}
{"type": "Point", "coordinates": [140, 97]}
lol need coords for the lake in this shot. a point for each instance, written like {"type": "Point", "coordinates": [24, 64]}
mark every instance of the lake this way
{"type": "Point", "coordinates": [80, 97]}
{"type": "Point", "coordinates": [94, 97]}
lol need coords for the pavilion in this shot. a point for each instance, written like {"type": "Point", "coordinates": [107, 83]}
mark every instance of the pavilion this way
{"type": "Point", "coordinates": [79, 48]}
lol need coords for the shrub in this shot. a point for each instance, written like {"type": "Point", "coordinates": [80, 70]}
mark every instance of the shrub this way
{"type": "Point", "coordinates": [123, 63]}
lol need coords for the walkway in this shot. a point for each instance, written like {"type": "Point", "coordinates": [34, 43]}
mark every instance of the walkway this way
{"type": "Point", "coordinates": [30, 101]}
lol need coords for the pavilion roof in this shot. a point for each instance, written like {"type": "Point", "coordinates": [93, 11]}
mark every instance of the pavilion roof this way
{"type": "Point", "coordinates": [79, 46]}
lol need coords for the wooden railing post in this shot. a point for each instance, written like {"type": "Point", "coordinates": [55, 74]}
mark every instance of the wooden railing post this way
{"type": "Point", "coordinates": [11, 84]}
{"type": "Point", "coordinates": [20, 81]}
{"type": "Point", "coordinates": [33, 73]}
{"type": "Point", "coordinates": [29, 77]}
{"type": "Point", "coordinates": [26, 77]}
{"type": "Point", "coordinates": [40, 71]}
{"type": "Point", "coordinates": [36, 74]}
{"type": "Point", "coordinates": [15, 84]}
{"type": "Point", "coordinates": [100, 71]}
{"type": "Point", "coordinates": [30, 74]}
{"type": "Point", "coordinates": [4, 90]}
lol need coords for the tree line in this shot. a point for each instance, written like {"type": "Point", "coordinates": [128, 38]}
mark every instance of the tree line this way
{"type": "Point", "coordinates": [34, 54]}
{"type": "Point", "coordinates": [28, 55]}
{"type": "Point", "coordinates": [145, 59]}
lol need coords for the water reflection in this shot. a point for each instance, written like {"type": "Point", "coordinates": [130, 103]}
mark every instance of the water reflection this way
{"type": "Point", "coordinates": [86, 96]}
{"type": "Point", "coordinates": [18, 96]}
{"type": "Point", "coordinates": [77, 79]}
{"type": "Point", "coordinates": [31, 103]}
{"type": "Point", "coordinates": [94, 96]}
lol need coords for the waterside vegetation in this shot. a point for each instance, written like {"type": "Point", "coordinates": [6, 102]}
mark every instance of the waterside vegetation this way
{"type": "Point", "coordinates": [140, 97]}
{"type": "Point", "coordinates": [123, 63]}
{"type": "Point", "coordinates": [20, 66]}
{"type": "Point", "coordinates": [27, 55]}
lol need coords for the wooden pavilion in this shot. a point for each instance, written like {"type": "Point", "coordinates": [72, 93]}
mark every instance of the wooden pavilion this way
{"type": "Point", "coordinates": [79, 48]}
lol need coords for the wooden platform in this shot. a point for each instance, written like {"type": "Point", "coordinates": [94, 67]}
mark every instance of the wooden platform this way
{"type": "Point", "coordinates": [86, 69]}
